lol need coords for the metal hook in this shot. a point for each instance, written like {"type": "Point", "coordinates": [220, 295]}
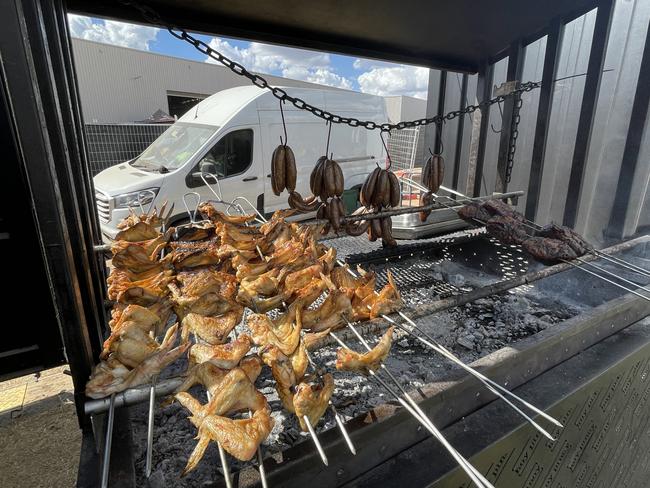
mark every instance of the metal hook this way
{"type": "Point", "coordinates": [284, 125]}
{"type": "Point", "coordinates": [381, 135]}
{"type": "Point", "coordinates": [492, 125]}
{"type": "Point", "coordinates": [329, 132]}
{"type": "Point", "coordinates": [192, 213]}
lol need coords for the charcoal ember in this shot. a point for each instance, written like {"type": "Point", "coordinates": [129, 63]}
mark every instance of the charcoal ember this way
{"type": "Point", "coordinates": [507, 229]}
{"type": "Point", "coordinates": [500, 208]}
{"type": "Point", "coordinates": [548, 250]}
{"type": "Point", "coordinates": [473, 212]}
{"type": "Point", "coordinates": [567, 235]}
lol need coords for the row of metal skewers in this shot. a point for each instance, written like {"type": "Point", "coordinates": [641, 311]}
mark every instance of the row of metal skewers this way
{"type": "Point", "coordinates": [400, 394]}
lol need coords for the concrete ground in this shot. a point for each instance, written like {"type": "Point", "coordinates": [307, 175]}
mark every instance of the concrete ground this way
{"type": "Point", "coordinates": [40, 436]}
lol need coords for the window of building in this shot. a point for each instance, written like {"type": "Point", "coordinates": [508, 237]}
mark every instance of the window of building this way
{"type": "Point", "coordinates": [179, 104]}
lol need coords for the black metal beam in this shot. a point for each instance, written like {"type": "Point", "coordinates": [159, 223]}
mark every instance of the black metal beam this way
{"type": "Point", "coordinates": [549, 72]}
{"type": "Point", "coordinates": [588, 110]}
{"type": "Point", "coordinates": [630, 161]}
{"type": "Point", "coordinates": [483, 92]}
{"type": "Point", "coordinates": [459, 132]}
{"type": "Point", "coordinates": [40, 98]}
{"type": "Point", "coordinates": [441, 110]}
{"type": "Point", "coordinates": [515, 68]}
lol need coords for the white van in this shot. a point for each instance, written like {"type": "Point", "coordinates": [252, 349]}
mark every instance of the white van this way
{"type": "Point", "coordinates": [232, 135]}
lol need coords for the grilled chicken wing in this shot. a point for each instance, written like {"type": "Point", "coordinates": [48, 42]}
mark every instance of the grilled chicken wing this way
{"type": "Point", "coordinates": [135, 259]}
{"type": "Point", "coordinates": [348, 360]}
{"type": "Point", "coordinates": [311, 401]}
{"type": "Point", "coordinates": [283, 373]}
{"type": "Point", "coordinates": [283, 332]}
{"type": "Point", "coordinates": [213, 330]}
{"type": "Point", "coordinates": [332, 313]}
{"type": "Point", "coordinates": [141, 231]}
{"type": "Point", "coordinates": [224, 356]}
{"type": "Point", "coordinates": [374, 305]}
{"type": "Point", "coordinates": [240, 438]}
{"type": "Point", "coordinates": [112, 376]}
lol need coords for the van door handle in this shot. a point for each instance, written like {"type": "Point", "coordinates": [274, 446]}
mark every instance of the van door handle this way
{"type": "Point", "coordinates": [250, 178]}
{"type": "Point", "coordinates": [269, 175]}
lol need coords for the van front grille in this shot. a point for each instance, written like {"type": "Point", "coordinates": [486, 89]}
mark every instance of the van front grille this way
{"type": "Point", "coordinates": [103, 206]}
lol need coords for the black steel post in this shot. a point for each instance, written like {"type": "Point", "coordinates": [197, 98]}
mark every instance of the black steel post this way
{"type": "Point", "coordinates": [40, 96]}
{"type": "Point", "coordinates": [549, 72]}
{"type": "Point", "coordinates": [441, 110]}
{"type": "Point", "coordinates": [459, 133]}
{"type": "Point", "coordinates": [588, 110]}
{"type": "Point", "coordinates": [635, 131]}
{"type": "Point", "coordinates": [515, 68]}
{"type": "Point", "coordinates": [483, 92]}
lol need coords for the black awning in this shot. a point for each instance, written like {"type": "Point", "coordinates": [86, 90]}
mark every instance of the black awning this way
{"type": "Point", "coordinates": [449, 34]}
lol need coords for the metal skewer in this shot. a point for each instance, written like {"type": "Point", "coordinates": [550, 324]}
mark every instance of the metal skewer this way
{"type": "Point", "coordinates": [486, 381]}
{"type": "Point", "coordinates": [603, 270]}
{"type": "Point", "coordinates": [472, 472]}
{"type": "Point", "coordinates": [607, 280]}
{"type": "Point", "coordinates": [317, 443]}
{"type": "Point", "coordinates": [222, 456]}
{"type": "Point", "coordinates": [150, 422]}
{"type": "Point", "coordinates": [106, 463]}
{"type": "Point", "coordinates": [337, 417]}
{"type": "Point", "coordinates": [448, 354]}
{"type": "Point", "coordinates": [624, 264]}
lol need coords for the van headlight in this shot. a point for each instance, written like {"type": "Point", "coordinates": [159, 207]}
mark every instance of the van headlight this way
{"type": "Point", "coordinates": [136, 198]}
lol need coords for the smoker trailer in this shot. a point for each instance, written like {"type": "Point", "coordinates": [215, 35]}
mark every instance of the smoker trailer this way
{"type": "Point", "coordinates": [590, 370]}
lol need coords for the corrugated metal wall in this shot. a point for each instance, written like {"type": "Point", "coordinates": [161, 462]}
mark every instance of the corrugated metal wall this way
{"type": "Point", "coordinates": [623, 57]}
{"type": "Point", "coordinates": [118, 84]}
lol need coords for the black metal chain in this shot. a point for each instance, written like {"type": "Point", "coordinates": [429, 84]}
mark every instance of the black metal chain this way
{"type": "Point", "coordinates": [152, 17]}
{"type": "Point", "coordinates": [514, 133]}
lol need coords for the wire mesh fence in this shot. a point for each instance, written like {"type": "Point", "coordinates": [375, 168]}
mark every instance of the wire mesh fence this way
{"type": "Point", "coordinates": [110, 144]}
{"type": "Point", "coordinates": [405, 148]}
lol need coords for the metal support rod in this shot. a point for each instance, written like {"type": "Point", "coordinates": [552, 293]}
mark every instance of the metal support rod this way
{"type": "Point", "coordinates": [410, 210]}
{"type": "Point", "coordinates": [150, 422]}
{"type": "Point", "coordinates": [472, 472]}
{"type": "Point", "coordinates": [106, 463]}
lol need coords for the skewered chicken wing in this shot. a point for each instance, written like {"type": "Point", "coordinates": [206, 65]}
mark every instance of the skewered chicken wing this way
{"type": "Point", "coordinates": [387, 301]}
{"type": "Point", "coordinates": [348, 360]}
{"type": "Point", "coordinates": [111, 376]}
{"type": "Point", "coordinates": [312, 400]}
{"type": "Point", "coordinates": [135, 259]}
{"type": "Point", "coordinates": [154, 219]}
{"type": "Point", "coordinates": [332, 313]}
{"type": "Point", "coordinates": [225, 356]}
{"type": "Point", "coordinates": [283, 373]}
{"type": "Point", "coordinates": [141, 231]}
{"type": "Point", "coordinates": [283, 332]}
{"type": "Point", "coordinates": [213, 330]}
{"type": "Point", "coordinates": [240, 438]}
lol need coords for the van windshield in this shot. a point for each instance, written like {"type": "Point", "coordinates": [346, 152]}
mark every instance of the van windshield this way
{"type": "Point", "coordinates": [174, 147]}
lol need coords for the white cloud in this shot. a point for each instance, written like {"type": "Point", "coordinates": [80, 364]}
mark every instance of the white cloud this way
{"type": "Point", "coordinates": [112, 32]}
{"type": "Point", "coordinates": [396, 80]}
{"type": "Point", "coordinates": [297, 64]}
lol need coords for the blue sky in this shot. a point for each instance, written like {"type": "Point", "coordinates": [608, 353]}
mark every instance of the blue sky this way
{"type": "Point", "coordinates": [368, 76]}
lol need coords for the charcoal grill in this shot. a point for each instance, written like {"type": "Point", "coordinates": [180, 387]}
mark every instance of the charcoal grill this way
{"type": "Point", "coordinates": [42, 115]}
